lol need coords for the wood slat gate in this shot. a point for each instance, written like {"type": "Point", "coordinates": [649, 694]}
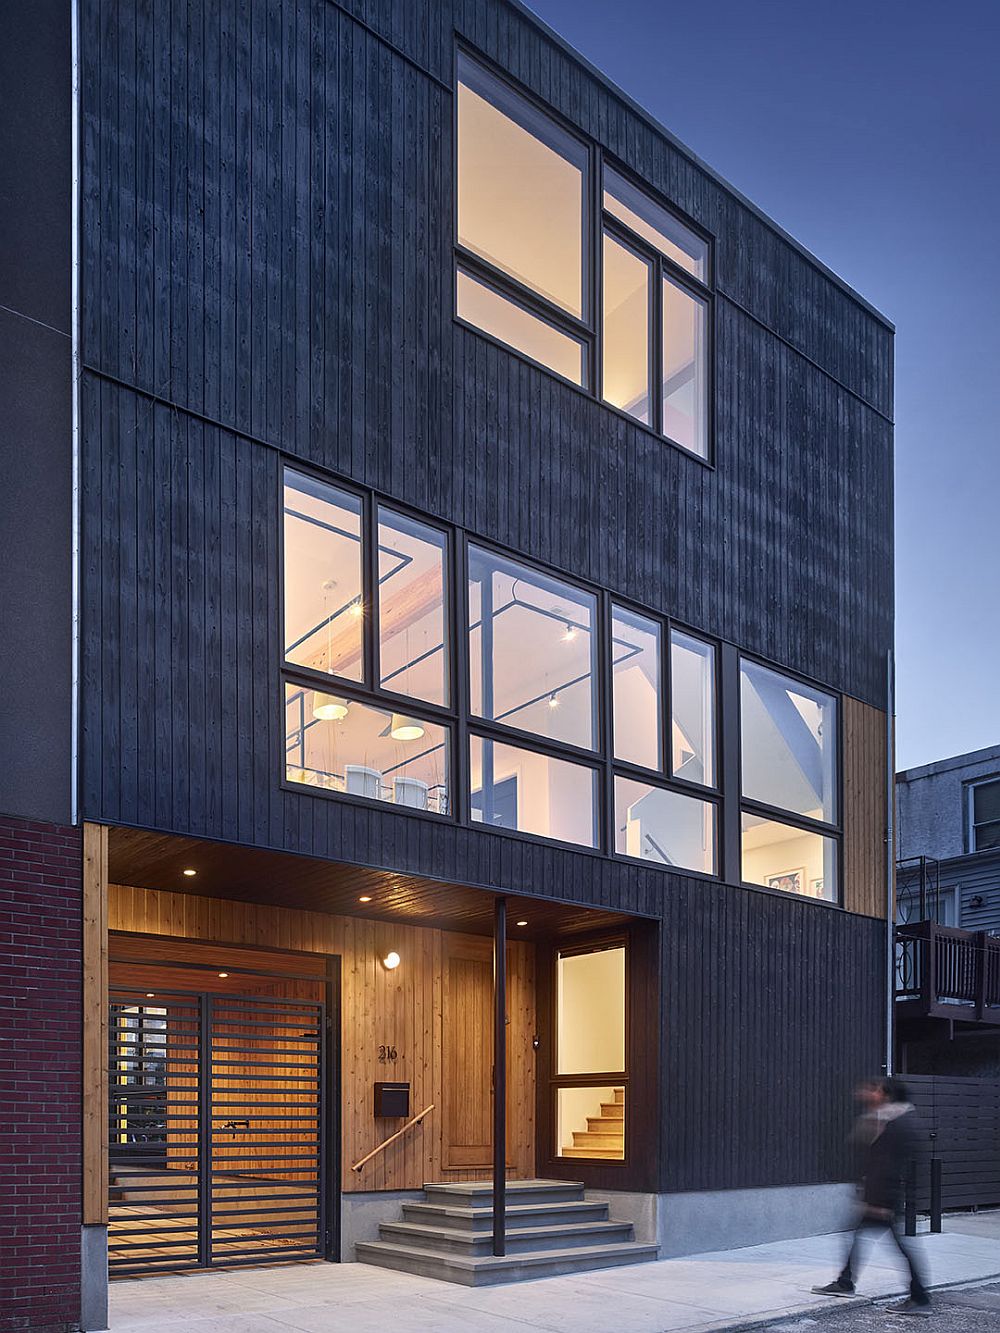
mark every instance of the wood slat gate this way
{"type": "Point", "coordinates": [963, 1115]}
{"type": "Point", "coordinates": [216, 1130]}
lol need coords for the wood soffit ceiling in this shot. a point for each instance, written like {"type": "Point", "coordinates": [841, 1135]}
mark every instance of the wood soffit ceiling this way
{"type": "Point", "coordinates": [247, 874]}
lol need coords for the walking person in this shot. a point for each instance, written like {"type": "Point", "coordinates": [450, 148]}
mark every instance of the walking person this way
{"type": "Point", "coordinates": [887, 1159]}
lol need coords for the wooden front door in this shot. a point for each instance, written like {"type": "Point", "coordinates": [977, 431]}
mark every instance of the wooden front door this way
{"type": "Point", "coordinates": [468, 1053]}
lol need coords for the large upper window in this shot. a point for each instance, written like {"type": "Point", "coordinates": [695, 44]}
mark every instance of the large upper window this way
{"type": "Point", "coordinates": [522, 190]}
{"type": "Point", "coordinates": [412, 582]}
{"type": "Point", "coordinates": [636, 671]}
{"type": "Point", "coordinates": [532, 656]}
{"type": "Point", "coordinates": [517, 788]}
{"type": "Point", "coordinates": [533, 255]}
{"type": "Point", "coordinates": [692, 709]}
{"type": "Point", "coordinates": [984, 815]}
{"type": "Point", "coordinates": [788, 748]}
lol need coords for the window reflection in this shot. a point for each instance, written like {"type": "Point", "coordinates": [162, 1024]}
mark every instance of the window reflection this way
{"type": "Point", "coordinates": [794, 860]}
{"type": "Point", "coordinates": [635, 657]}
{"type": "Point", "coordinates": [515, 788]}
{"type": "Point", "coordinates": [692, 709]}
{"type": "Point", "coordinates": [532, 656]}
{"type": "Point", "coordinates": [522, 186]}
{"type": "Point", "coordinates": [324, 611]}
{"type": "Point", "coordinates": [523, 331]}
{"type": "Point", "coordinates": [664, 826]}
{"type": "Point", "coordinates": [685, 366]}
{"type": "Point", "coordinates": [341, 745]}
{"type": "Point", "coordinates": [626, 330]}
{"type": "Point", "coordinates": [788, 736]}
{"type": "Point", "coordinates": [413, 650]}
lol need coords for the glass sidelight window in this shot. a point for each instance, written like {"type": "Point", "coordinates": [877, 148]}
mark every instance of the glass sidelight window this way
{"type": "Point", "coordinates": [590, 1057]}
{"type": "Point", "coordinates": [412, 608]}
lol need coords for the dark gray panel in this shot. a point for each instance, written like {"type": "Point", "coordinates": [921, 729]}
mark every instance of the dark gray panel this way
{"type": "Point", "coordinates": [35, 162]}
{"type": "Point", "coordinates": [35, 572]}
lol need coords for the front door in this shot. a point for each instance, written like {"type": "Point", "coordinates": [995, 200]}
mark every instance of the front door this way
{"type": "Point", "coordinates": [468, 1053]}
{"type": "Point", "coordinates": [216, 1129]}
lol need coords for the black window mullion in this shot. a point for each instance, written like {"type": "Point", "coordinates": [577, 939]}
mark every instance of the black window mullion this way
{"type": "Point", "coordinates": [369, 592]}
{"type": "Point", "coordinates": [606, 707]}
{"type": "Point", "coordinates": [595, 230]}
{"type": "Point", "coordinates": [659, 338]}
{"type": "Point", "coordinates": [728, 724]}
{"type": "Point", "coordinates": [459, 626]}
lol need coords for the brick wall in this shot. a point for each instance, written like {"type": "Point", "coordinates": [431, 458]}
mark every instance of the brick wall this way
{"type": "Point", "coordinates": [40, 1052]}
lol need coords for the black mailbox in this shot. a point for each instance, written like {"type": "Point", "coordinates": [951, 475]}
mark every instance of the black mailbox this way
{"type": "Point", "coordinates": [392, 1099]}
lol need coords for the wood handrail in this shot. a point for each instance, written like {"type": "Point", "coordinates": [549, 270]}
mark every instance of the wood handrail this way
{"type": "Point", "coordinates": [393, 1137]}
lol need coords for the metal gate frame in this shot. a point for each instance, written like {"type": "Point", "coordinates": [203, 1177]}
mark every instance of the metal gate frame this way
{"type": "Point", "coordinates": [328, 1119]}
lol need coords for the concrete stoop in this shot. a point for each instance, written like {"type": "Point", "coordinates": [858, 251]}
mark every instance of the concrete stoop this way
{"type": "Point", "coordinates": [551, 1229]}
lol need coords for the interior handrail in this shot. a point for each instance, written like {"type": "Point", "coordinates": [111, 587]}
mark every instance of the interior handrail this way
{"type": "Point", "coordinates": [392, 1138]}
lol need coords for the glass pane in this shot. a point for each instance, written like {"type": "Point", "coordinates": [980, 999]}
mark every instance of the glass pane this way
{"type": "Point", "coordinates": [519, 789]}
{"type": "Point", "coordinates": [986, 802]}
{"type": "Point", "coordinates": [664, 826]}
{"type": "Point", "coordinates": [323, 604]}
{"type": "Point", "coordinates": [522, 184]}
{"type": "Point", "coordinates": [590, 1122]}
{"type": "Point", "coordinates": [531, 650]}
{"type": "Point", "coordinates": [692, 709]}
{"type": "Point", "coordinates": [626, 330]}
{"type": "Point", "coordinates": [635, 658]}
{"type": "Point", "coordinates": [685, 368]}
{"type": "Point", "coordinates": [590, 1017]}
{"type": "Point", "coordinates": [782, 857]}
{"type": "Point", "coordinates": [526, 333]}
{"type": "Point", "coordinates": [789, 741]}
{"type": "Point", "coordinates": [655, 225]}
{"type": "Point", "coordinates": [341, 745]}
{"type": "Point", "coordinates": [413, 647]}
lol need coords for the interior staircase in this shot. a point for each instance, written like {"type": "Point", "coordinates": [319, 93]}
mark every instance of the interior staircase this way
{"type": "Point", "coordinates": [604, 1136]}
{"type": "Point", "coordinates": [550, 1229]}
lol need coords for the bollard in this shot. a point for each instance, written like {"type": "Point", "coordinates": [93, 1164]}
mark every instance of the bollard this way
{"type": "Point", "coordinates": [935, 1194]}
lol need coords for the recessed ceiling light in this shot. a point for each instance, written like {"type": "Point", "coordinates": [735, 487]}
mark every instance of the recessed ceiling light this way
{"type": "Point", "coordinates": [365, 898]}
{"type": "Point", "coordinates": [150, 995]}
{"type": "Point", "coordinates": [223, 974]}
{"type": "Point", "coordinates": [190, 872]}
{"type": "Point", "coordinates": [520, 923]}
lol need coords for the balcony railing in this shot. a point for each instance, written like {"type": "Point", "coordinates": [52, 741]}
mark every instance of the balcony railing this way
{"type": "Point", "coordinates": [944, 972]}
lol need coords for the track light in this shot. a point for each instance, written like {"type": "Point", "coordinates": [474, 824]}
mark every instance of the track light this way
{"type": "Point", "coordinates": [553, 700]}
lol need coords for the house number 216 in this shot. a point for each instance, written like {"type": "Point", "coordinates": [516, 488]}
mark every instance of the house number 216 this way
{"type": "Point", "coordinates": [386, 1055]}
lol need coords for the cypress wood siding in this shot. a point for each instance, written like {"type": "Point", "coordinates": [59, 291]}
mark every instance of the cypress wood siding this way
{"type": "Point", "coordinates": [402, 1008]}
{"type": "Point", "coordinates": [864, 788]}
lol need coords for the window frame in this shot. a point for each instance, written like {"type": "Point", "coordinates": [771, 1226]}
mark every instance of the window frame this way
{"type": "Point", "coordinates": [776, 813]}
{"type": "Point", "coordinates": [970, 812]}
{"type": "Point", "coordinates": [596, 221]}
{"type": "Point", "coordinates": [456, 716]}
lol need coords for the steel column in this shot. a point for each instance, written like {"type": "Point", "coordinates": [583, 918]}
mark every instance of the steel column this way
{"type": "Point", "coordinates": [500, 1077]}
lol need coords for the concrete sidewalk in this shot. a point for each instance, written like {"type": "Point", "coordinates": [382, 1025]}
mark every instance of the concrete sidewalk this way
{"type": "Point", "coordinates": [719, 1290]}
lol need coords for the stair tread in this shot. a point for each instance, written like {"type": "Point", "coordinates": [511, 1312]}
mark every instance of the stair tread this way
{"type": "Point", "coordinates": [521, 1233]}
{"type": "Point", "coordinates": [533, 1258]}
{"type": "Point", "coordinates": [512, 1186]}
{"type": "Point", "coordinates": [512, 1210]}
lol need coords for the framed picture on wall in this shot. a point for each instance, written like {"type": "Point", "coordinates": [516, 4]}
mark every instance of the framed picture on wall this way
{"type": "Point", "coordinates": [817, 888]}
{"type": "Point", "coordinates": [789, 881]}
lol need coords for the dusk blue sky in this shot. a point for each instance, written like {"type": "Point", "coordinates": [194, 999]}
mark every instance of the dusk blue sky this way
{"type": "Point", "coordinates": [871, 132]}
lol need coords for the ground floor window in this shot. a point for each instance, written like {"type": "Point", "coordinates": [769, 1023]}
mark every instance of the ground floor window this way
{"type": "Point", "coordinates": [589, 1085]}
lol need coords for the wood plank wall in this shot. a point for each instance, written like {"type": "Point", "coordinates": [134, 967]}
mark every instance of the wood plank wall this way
{"type": "Point", "coordinates": [864, 791]}
{"type": "Point", "coordinates": [402, 1008]}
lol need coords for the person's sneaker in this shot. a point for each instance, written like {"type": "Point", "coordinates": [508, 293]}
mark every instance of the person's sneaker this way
{"type": "Point", "coordinates": [836, 1288]}
{"type": "Point", "coordinates": [910, 1306]}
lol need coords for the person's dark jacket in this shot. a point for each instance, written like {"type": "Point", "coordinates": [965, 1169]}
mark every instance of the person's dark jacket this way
{"type": "Point", "coordinates": [887, 1163]}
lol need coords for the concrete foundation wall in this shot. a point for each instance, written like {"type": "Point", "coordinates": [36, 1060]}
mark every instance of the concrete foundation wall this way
{"type": "Point", "coordinates": [726, 1219]}
{"type": "Point", "coordinates": [360, 1215]}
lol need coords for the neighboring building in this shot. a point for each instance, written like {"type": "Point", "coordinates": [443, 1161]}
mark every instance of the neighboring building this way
{"type": "Point", "coordinates": [948, 879]}
{"type": "Point", "coordinates": [484, 521]}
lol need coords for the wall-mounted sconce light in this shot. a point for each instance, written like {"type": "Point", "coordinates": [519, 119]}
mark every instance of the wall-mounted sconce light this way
{"type": "Point", "coordinates": [391, 960]}
{"type": "Point", "coordinates": [976, 900]}
{"type": "Point", "coordinates": [329, 708]}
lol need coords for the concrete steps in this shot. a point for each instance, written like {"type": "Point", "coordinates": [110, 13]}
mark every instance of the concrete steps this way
{"type": "Point", "coordinates": [550, 1229]}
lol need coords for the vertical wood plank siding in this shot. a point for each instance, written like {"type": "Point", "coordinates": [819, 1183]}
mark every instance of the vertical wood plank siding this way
{"type": "Point", "coordinates": [267, 265]}
{"type": "Point", "coordinates": [267, 242]}
{"type": "Point", "coordinates": [864, 787]}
